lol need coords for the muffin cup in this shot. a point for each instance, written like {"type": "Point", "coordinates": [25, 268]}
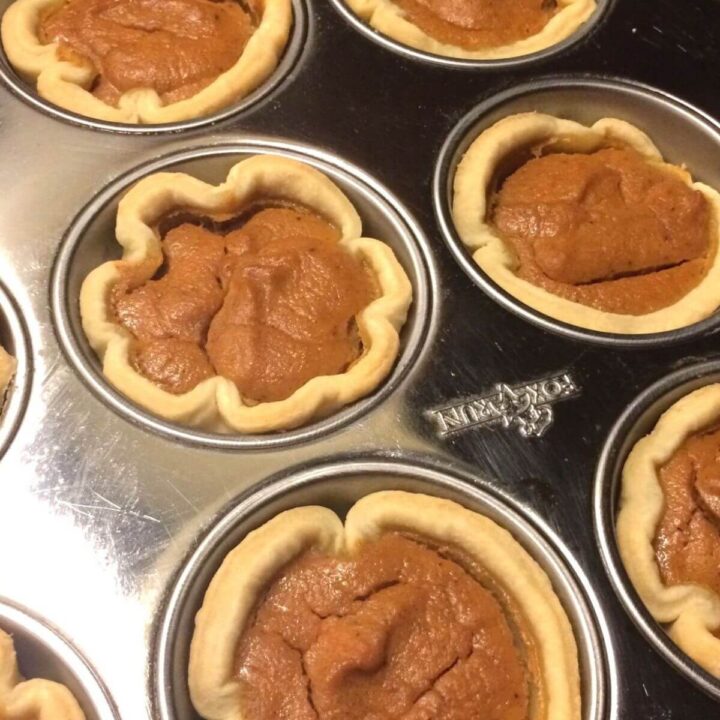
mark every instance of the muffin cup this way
{"type": "Point", "coordinates": [91, 241]}
{"type": "Point", "coordinates": [297, 42]}
{"type": "Point", "coordinates": [683, 134]}
{"type": "Point", "coordinates": [44, 653]}
{"type": "Point", "coordinates": [338, 485]}
{"type": "Point", "coordinates": [511, 63]}
{"type": "Point", "coordinates": [637, 421]}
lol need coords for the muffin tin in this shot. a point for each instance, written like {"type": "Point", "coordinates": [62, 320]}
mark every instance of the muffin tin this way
{"type": "Point", "coordinates": [109, 518]}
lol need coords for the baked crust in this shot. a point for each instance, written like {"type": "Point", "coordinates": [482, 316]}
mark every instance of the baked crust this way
{"type": "Point", "coordinates": [66, 84]}
{"type": "Point", "coordinates": [248, 568]}
{"type": "Point", "coordinates": [216, 404]}
{"type": "Point", "coordinates": [31, 699]}
{"type": "Point", "coordinates": [7, 370]}
{"type": "Point", "coordinates": [692, 611]}
{"type": "Point", "coordinates": [389, 19]}
{"type": "Point", "coordinates": [523, 132]}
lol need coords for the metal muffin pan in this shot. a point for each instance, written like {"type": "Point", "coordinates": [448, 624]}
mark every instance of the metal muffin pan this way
{"type": "Point", "coordinates": [388, 43]}
{"type": "Point", "coordinates": [91, 241]}
{"type": "Point", "coordinates": [338, 486]}
{"type": "Point", "coordinates": [298, 40]}
{"type": "Point", "coordinates": [684, 135]}
{"type": "Point", "coordinates": [98, 515]}
{"type": "Point", "coordinates": [637, 421]}
{"type": "Point", "coordinates": [14, 338]}
{"type": "Point", "coordinates": [43, 653]}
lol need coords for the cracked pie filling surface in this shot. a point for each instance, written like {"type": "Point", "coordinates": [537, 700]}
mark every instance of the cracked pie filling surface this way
{"type": "Point", "coordinates": [589, 225]}
{"type": "Point", "coordinates": [390, 617]}
{"type": "Point", "coordinates": [34, 699]}
{"type": "Point", "coordinates": [669, 523]}
{"type": "Point", "coordinates": [145, 61]}
{"type": "Point", "coordinates": [475, 29]}
{"type": "Point", "coordinates": [253, 318]}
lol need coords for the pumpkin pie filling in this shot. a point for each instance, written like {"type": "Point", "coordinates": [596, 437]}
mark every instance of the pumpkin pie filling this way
{"type": "Point", "coordinates": [476, 24]}
{"type": "Point", "coordinates": [607, 229]}
{"type": "Point", "coordinates": [687, 539]}
{"type": "Point", "coordinates": [175, 47]}
{"type": "Point", "coordinates": [398, 630]}
{"type": "Point", "coordinates": [267, 299]}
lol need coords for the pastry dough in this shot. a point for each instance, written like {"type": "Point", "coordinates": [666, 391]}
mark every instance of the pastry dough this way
{"type": "Point", "coordinates": [247, 570]}
{"type": "Point", "coordinates": [532, 131]}
{"type": "Point", "coordinates": [692, 611]}
{"type": "Point", "coordinates": [31, 699]}
{"type": "Point", "coordinates": [386, 17]}
{"type": "Point", "coordinates": [216, 404]}
{"type": "Point", "coordinates": [7, 370]}
{"type": "Point", "coordinates": [66, 84]}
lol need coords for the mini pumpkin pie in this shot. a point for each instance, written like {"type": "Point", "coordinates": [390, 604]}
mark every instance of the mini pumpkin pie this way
{"type": "Point", "coordinates": [7, 370]}
{"type": "Point", "coordinates": [145, 61]}
{"type": "Point", "coordinates": [31, 699]}
{"type": "Point", "coordinates": [668, 528]}
{"type": "Point", "coordinates": [475, 29]}
{"type": "Point", "coordinates": [415, 608]}
{"type": "Point", "coordinates": [246, 307]}
{"type": "Point", "coordinates": [589, 225]}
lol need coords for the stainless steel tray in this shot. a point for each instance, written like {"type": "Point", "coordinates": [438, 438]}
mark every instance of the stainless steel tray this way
{"type": "Point", "coordinates": [100, 510]}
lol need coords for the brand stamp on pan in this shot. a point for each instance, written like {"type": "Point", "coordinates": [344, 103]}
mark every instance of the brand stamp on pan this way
{"type": "Point", "coordinates": [528, 407]}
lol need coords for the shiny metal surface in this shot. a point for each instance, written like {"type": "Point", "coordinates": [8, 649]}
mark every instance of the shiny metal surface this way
{"type": "Point", "coordinates": [603, 7]}
{"type": "Point", "coordinates": [339, 486]}
{"type": "Point", "coordinates": [684, 135]}
{"type": "Point", "coordinates": [99, 511]}
{"type": "Point", "coordinates": [637, 421]}
{"type": "Point", "coordinates": [43, 652]}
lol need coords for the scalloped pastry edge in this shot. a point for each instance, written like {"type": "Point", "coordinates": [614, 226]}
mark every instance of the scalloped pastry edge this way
{"type": "Point", "coordinates": [247, 569]}
{"type": "Point", "coordinates": [692, 611]}
{"type": "Point", "coordinates": [216, 404]}
{"type": "Point", "coordinates": [66, 84]}
{"type": "Point", "coordinates": [473, 179]}
{"type": "Point", "coordinates": [389, 19]}
{"type": "Point", "coordinates": [31, 699]}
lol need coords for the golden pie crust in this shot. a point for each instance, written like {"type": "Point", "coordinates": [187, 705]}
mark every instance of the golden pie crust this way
{"type": "Point", "coordinates": [691, 611]}
{"type": "Point", "coordinates": [240, 582]}
{"type": "Point", "coordinates": [216, 404]}
{"type": "Point", "coordinates": [7, 370]}
{"type": "Point", "coordinates": [66, 84]}
{"type": "Point", "coordinates": [389, 19]}
{"type": "Point", "coordinates": [525, 132]}
{"type": "Point", "coordinates": [31, 699]}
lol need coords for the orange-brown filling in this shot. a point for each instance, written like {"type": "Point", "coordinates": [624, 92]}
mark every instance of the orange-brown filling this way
{"type": "Point", "coordinates": [477, 24]}
{"type": "Point", "coordinates": [175, 47]}
{"type": "Point", "coordinates": [399, 630]}
{"type": "Point", "coordinates": [268, 305]}
{"type": "Point", "coordinates": [606, 229]}
{"type": "Point", "coordinates": [687, 540]}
